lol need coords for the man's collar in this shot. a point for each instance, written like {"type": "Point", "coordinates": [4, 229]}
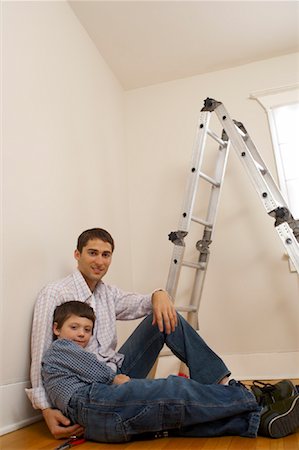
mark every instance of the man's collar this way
{"type": "Point", "coordinates": [82, 287]}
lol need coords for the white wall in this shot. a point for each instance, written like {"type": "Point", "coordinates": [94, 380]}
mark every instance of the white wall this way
{"type": "Point", "coordinates": [64, 170]}
{"type": "Point", "coordinates": [250, 305]}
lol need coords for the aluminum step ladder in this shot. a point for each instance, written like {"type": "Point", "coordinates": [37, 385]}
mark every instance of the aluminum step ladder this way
{"type": "Point", "coordinates": [234, 134]}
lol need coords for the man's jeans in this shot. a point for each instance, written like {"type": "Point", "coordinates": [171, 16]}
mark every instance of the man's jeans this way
{"type": "Point", "coordinates": [118, 413]}
{"type": "Point", "coordinates": [195, 407]}
{"type": "Point", "coordinates": [144, 345]}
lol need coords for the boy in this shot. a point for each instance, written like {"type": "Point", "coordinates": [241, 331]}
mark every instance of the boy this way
{"type": "Point", "coordinates": [115, 408]}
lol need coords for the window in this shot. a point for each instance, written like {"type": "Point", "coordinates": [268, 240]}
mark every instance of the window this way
{"type": "Point", "coordinates": [282, 107]}
{"type": "Point", "coordinates": [286, 134]}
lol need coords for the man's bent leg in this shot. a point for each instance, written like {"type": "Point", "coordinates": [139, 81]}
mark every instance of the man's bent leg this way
{"type": "Point", "coordinates": [142, 349]}
{"type": "Point", "coordinates": [144, 345]}
{"type": "Point", "coordinates": [204, 365]}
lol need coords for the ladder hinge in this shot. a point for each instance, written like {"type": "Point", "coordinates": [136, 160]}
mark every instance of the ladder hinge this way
{"type": "Point", "coordinates": [240, 126]}
{"type": "Point", "coordinates": [177, 237]}
{"type": "Point", "coordinates": [203, 245]}
{"type": "Point", "coordinates": [210, 104]}
{"type": "Point", "coordinates": [224, 136]}
{"type": "Point", "coordinates": [282, 214]}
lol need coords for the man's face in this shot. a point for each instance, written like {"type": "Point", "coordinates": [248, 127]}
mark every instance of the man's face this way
{"type": "Point", "coordinates": [76, 329]}
{"type": "Point", "coordinates": [94, 261]}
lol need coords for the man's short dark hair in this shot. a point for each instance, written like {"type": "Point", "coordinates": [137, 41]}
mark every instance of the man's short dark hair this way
{"type": "Point", "coordinates": [74, 307]}
{"type": "Point", "coordinates": [94, 233]}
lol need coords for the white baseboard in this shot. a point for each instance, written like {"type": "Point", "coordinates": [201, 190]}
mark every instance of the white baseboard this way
{"type": "Point", "coordinates": [252, 366]}
{"type": "Point", "coordinates": [16, 426]}
{"type": "Point", "coordinates": [263, 366]}
{"type": "Point", "coordinates": [16, 410]}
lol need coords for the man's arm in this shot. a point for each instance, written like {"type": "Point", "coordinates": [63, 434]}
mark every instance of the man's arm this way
{"type": "Point", "coordinates": [129, 305]}
{"type": "Point", "coordinates": [41, 338]}
{"type": "Point", "coordinates": [133, 306]}
{"type": "Point", "coordinates": [59, 425]}
{"type": "Point", "coordinates": [164, 313]}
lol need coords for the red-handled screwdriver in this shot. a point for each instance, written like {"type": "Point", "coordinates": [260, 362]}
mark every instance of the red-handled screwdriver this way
{"type": "Point", "coordinates": [74, 440]}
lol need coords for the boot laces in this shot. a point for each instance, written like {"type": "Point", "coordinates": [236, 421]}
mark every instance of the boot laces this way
{"type": "Point", "coordinates": [267, 390]}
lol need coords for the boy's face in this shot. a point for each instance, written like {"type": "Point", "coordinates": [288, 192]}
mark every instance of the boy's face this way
{"type": "Point", "coordinates": [76, 329]}
{"type": "Point", "coordinates": [94, 261]}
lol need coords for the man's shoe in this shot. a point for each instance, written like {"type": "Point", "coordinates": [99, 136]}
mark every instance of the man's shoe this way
{"type": "Point", "coordinates": [280, 418]}
{"type": "Point", "coordinates": [267, 393]}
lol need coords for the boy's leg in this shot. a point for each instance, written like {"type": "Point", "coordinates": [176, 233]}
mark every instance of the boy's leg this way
{"type": "Point", "coordinates": [245, 425]}
{"type": "Point", "coordinates": [143, 346]}
{"type": "Point", "coordinates": [118, 413]}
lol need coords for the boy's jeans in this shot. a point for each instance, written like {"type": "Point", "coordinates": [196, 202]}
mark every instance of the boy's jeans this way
{"type": "Point", "coordinates": [195, 407]}
{"type": "Point", "coordinates": [117, 413]}
{"type": "Point", "coordinates": [143, 346]}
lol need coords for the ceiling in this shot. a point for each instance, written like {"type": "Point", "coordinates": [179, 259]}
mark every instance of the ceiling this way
{"type": "Point", "coordinates": [149, 42]}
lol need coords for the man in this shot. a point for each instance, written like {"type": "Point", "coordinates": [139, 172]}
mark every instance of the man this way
{"type": "Point", "coordinates": [162, 325]}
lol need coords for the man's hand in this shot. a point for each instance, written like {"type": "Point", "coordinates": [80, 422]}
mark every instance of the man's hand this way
{"type": "Point", "coordinates": [121, 379]}
{"type": "Point", "coordinates": [59, 425]}
{"type": "Point", "coordinates": [164, 312]}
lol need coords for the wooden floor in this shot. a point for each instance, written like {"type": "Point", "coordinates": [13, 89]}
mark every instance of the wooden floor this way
{"type": "Point", "coordinates": [37, 437]}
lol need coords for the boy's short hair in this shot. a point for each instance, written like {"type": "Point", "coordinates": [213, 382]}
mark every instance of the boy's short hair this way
{"type": "Point", "coordinates": [94, 233]}
{"type": "Point", "coordinates": [74, 307]}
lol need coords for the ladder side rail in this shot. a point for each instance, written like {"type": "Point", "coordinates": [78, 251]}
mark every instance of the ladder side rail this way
{"type": "Point", "coordinates": [195, 170]}
{"type": "Point", "coordinates": [188, 204]}
{"type": "Point", "coordinates": [196, 294]}
{"type": "Point", "coordinates": [244, 154]}
{"type": "Point", "coordinates": [175, 270]}
{"type": "Point", "coordinates": [204, 254]}
{"type": "Point", "coordinates": [290, 243]}
{"type": "Point", "coordinates": [265, 172]}
{"type": "Point", "coordinates": [267, 196]}
{"type": "Point", "coordinates": [219, 177]}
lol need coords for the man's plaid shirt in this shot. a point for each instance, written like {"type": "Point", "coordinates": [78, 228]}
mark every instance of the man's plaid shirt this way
{"type": "Point", "coordinates": [110, 304]}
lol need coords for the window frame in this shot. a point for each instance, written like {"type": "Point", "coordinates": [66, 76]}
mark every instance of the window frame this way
{"type": "Point", "coordinates": [269, 100]}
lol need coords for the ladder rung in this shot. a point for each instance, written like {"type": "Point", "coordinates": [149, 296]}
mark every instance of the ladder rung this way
{"type": "Point", "coordinates": [260, 168]}
{"type": "Point", "coordinates": [202, 222]}
{"type": "Point", "coordinates": [209, 179]}
{"type": "Point", "coordinates": [217, 138]}
{"type": "Point", "coordinates": [186, 308]}
{"type": "Point", "coordinates": [199, 266]}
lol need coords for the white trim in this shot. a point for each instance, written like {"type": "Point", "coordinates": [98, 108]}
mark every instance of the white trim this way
{"type": "Point", "coordinates": [246, 366]}
{"type": "Point", "coordinates": [16, 410]}
{"type": "Point", "coordinates": [274, 91]}
{"type": "Point", "coordinates": [270, 99]}
{"type": "Point", "coordinates": [22, 424]}
{"type": "Point", "coordinates": [279, 163]}
{"type": "Point", "coordinates": [264, 366]}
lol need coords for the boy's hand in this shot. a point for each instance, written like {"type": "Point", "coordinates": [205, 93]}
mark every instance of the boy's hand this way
{"type": "Point", "coordinates": [59, 425]}
{"type": "Point", "coordinates": [121, 379]}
